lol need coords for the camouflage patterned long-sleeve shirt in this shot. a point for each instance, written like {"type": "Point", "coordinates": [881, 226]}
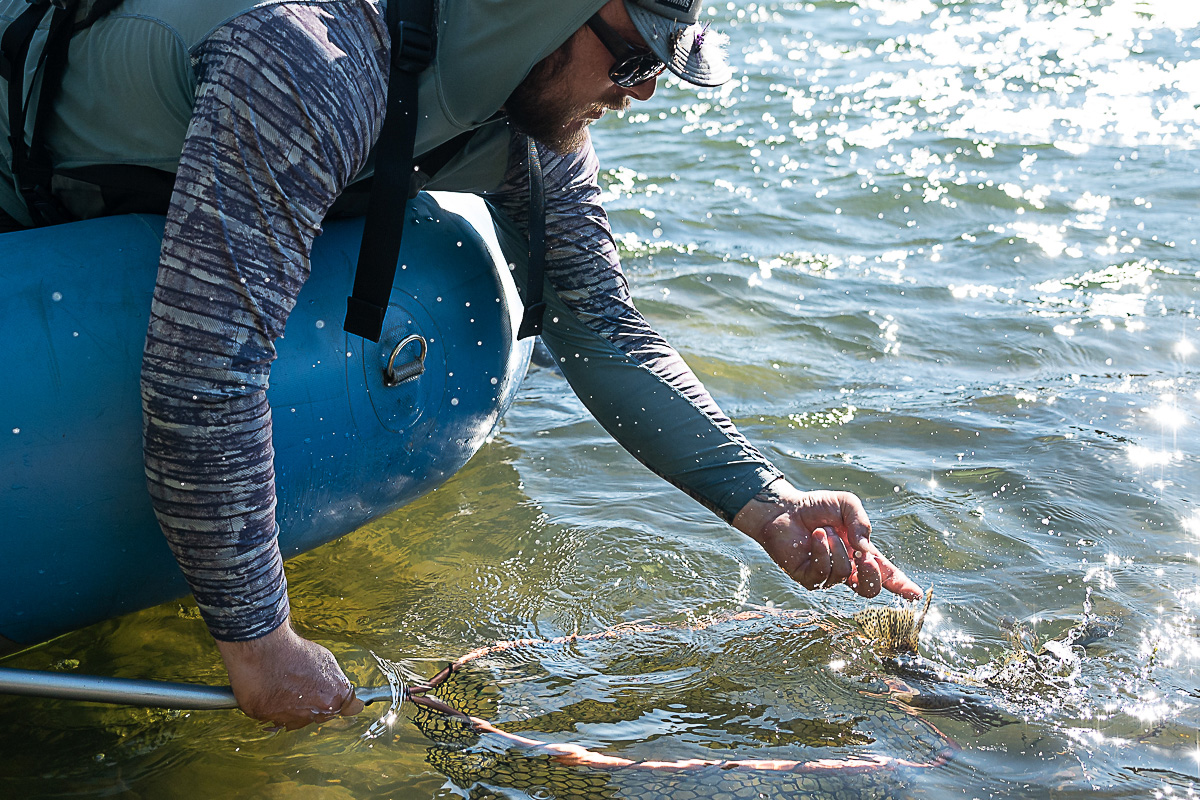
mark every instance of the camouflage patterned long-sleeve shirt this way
{"type": "Point", "coordinates": [289, 101]}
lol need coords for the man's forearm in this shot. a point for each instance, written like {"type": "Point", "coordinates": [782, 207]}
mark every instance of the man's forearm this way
{"type": "Point", "coordinates": [285, 113]}
{"type": "Point", "coordinates": [210, 475]}
{"type": "Point", "coordinates": [653, 405]}
{"type": "Point", "coordinates": [628, 376]}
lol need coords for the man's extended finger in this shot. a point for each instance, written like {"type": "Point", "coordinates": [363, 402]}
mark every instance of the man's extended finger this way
{"type": "Point", "coordinates": [895, 581]}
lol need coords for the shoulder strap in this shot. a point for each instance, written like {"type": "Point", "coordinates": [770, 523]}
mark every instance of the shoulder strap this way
{"type": "Point", "coordinates": [410, 23]}
{"type": "Point", "coordinates": [14, 48]}
{"type": "Point", "coordinates": [33, 169]}
{"type": "Point", "coordinates": [535, 307]}
{"type": "Point", "coordinates": [37, 168]}
{"type": "Point", "coordinates": [413, 45]}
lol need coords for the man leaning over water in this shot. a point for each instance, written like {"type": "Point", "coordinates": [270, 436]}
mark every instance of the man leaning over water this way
{"type": "Point", "coordinates": [265, 112]}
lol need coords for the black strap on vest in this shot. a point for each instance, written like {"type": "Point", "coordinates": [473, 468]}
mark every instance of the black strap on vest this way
{"type": "Point", "coordinates": [32, 177]}
{"type": "Point", "coordinates": [410, 23]}
{"type": "Point", "coordinates": [33, 169]}
{"type": "Point", "coordinates": [412, 30]}
{"type": "Point", "coordinates": [535, 308]}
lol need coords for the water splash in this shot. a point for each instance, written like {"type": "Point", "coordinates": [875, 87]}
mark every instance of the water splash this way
{"type": "Point", "coordinates": [397, 675]}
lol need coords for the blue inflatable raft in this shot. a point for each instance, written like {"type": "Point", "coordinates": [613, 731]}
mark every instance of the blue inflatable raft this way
{"type": "Point", "coordinates": [351, 443]}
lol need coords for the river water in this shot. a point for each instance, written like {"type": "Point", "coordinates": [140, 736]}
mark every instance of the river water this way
{"type": "Point", "coordinates": [942, 254]}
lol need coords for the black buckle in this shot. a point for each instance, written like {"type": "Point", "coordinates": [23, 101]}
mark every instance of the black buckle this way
{"type": "Point", "coordinates": [49, 212]}
{"type": "Point", "coordinates": [39, 197]}
{"type": "Point", "coordinates": [531, 321]}
{"type": "Point", "coordinates": [412, 47]}
{"type": "Point", "coordinates": [44, 207]}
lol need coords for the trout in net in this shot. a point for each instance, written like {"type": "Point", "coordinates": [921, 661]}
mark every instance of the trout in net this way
{"type": "Point", "coordinates": [693, 718]}
{"type": "Point", "coordinates": [696, 720]}
{"type": "Point", "coordinates": [1024, 668]}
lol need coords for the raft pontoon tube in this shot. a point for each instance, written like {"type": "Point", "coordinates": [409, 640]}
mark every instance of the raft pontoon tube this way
{"type": "Point", "coordinates": [76, 526]}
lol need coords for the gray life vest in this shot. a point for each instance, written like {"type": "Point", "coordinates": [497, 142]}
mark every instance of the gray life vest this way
{"type": "Point", "coordinates": [113, 110]}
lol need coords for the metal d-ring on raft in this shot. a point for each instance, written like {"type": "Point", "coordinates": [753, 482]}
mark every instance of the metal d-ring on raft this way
{"type": "Point", "coordinates": [394, 375]}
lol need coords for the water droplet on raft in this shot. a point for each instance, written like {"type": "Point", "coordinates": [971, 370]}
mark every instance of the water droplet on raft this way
{"type": "Point", "coordinates": [320, 323]}
{"type": "Point", "coordinates": [16, 430]}
{"type": "Point", "coordinates": [56, 296]}
{"type": "Point", "coordinates": [453, 401]}
{"type": "Point", "coordinates": [494, 381]}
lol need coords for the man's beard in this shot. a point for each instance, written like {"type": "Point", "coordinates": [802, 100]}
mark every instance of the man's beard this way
{"type": "Point", "coordinates": [538, 108]}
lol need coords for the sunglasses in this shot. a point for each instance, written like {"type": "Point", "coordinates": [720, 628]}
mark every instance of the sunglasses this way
{"type": "Point", "coordinates": [634, 65]}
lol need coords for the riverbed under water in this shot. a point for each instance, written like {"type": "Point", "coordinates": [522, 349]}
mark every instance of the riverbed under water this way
{"type": "Point", "coordinates": [941, 254]}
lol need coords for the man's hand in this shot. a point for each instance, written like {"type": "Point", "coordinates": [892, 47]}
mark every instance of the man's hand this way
{"type": "Point", "coordinates": [287, 680]}
{"type": "Point", "coordinates": [822, 539]}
